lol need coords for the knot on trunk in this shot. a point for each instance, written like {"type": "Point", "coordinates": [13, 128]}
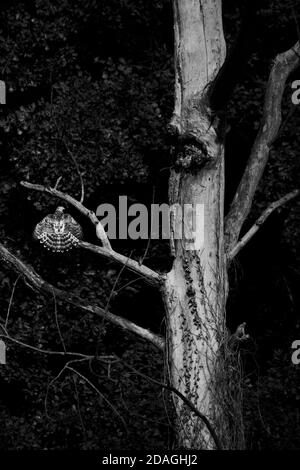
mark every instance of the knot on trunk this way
{"type": "Point", "coordinates": [194, 135]}
{"type": "Point", "coordinates": [191, 156]}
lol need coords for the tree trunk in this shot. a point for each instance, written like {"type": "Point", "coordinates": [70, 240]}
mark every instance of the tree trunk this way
{"type": "Point", "coordinates": [195, 289]}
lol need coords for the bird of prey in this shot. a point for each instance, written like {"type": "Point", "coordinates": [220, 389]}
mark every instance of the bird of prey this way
{"type": "Point", "coordinates": [58, 232]}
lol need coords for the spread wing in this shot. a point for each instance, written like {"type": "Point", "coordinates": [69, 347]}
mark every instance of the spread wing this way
{"type": "Point", "coordinates": [73, 227]}
{"type": "Point", "coordinates": [58, 235]}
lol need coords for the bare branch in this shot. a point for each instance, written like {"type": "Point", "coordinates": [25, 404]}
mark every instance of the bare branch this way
{"type": "Point", "coordinates": [45, 351]}
{"type": "Point", "coordinates": [77, 169]}
{"type": "Point", "coordinates": [152, 277]}
{"type": "Point", "coordinates": [52, 382]}
{"type": "Point", "coordinates": [283, 65]}
{"type": "Point", "coordinates": [57, 182]}
{"type": "Point", "coordinates": [93, 387]}
{"type": "Point", "coordinates": [57, 325]}
{"type": "Point", "coordinates": [106, 250]}
{"type": "Point", "coordinates": [10, 302]}
{"type": "Point", "coordinates": [247, 237]}
{"type": "Point", "coordinates": [39, 284]}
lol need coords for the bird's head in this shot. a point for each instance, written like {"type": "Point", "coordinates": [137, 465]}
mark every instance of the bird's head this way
{"type": "Point", "coordinates": [60, 210]}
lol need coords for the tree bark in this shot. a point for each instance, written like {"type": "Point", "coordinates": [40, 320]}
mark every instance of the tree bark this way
{"type": "Point", "coordinates": [195, 289]}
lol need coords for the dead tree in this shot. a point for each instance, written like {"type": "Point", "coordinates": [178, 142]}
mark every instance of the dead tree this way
{"type": "Point", "coordinates": [196, 346]}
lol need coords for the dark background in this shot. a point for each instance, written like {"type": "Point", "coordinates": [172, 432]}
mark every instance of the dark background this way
{"type": "Point", "coordinates": [96, 77]}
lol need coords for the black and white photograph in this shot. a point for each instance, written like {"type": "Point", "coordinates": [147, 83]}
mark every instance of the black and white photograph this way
{"type": "Point", "coordinates": [149, 229]}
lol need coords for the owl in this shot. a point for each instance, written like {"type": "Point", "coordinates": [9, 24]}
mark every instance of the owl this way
{"type": "Point", "coordinates": [58, 232]}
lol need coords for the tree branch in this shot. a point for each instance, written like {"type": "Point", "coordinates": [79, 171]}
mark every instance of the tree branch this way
{"type": "Point", "coordinates": [45, 351]}
{"type": "Point", "coordinates": [283, 65]}
{"type": "Point", "coordinates": [36, 282]}
{"type": "Point", "coordinates": [152, 277]}
{"type": "Point", "coordinates": [247, 237]}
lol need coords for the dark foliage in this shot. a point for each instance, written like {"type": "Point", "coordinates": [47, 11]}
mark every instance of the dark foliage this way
{"type": "Point", "coordinates": [93, 81]}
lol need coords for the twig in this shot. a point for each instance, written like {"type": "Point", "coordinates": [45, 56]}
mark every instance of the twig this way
{"type": "Point", "coordinates": [44, 351]}
{"type": "Point", "coordinates": [108, 303]}
{"type": "Point", "coordinates": [57, 182]}
{"type": "Point", "coordinates": [69, 151]}
{"type": "Point", "coordinates": [78, 407]}
{"type": "Point", "coordinates": [247, 237]}
{"type": "Point", "coordinates": [152, 277]}
{"type": "Point", "coordinates": [114, 287]}
{"type": "Point", "coordinates": [36, 282]}
{"type": "Point", "coordinates": [10, 302]}
{"type": "Point", "coordinates": [77, 169]}
{"type": "Point", "coordinates": [295, 19]}
{"type": "Point", "coordinates": [53, 381]}
{"type": "Point", "coordinates": [57, 324]}
{"type": "Point", "coordinates": [48, 389]}
{"type": "Point", "coordinates": [129, 283]}
{"type": "Point", "coordinates": [92, 386]}
{"type": "Point", "coordinates": [142, 259]}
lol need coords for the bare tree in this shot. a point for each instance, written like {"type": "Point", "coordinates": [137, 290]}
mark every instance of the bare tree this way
{"type": "Point", "coordinates": [200, 356]}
